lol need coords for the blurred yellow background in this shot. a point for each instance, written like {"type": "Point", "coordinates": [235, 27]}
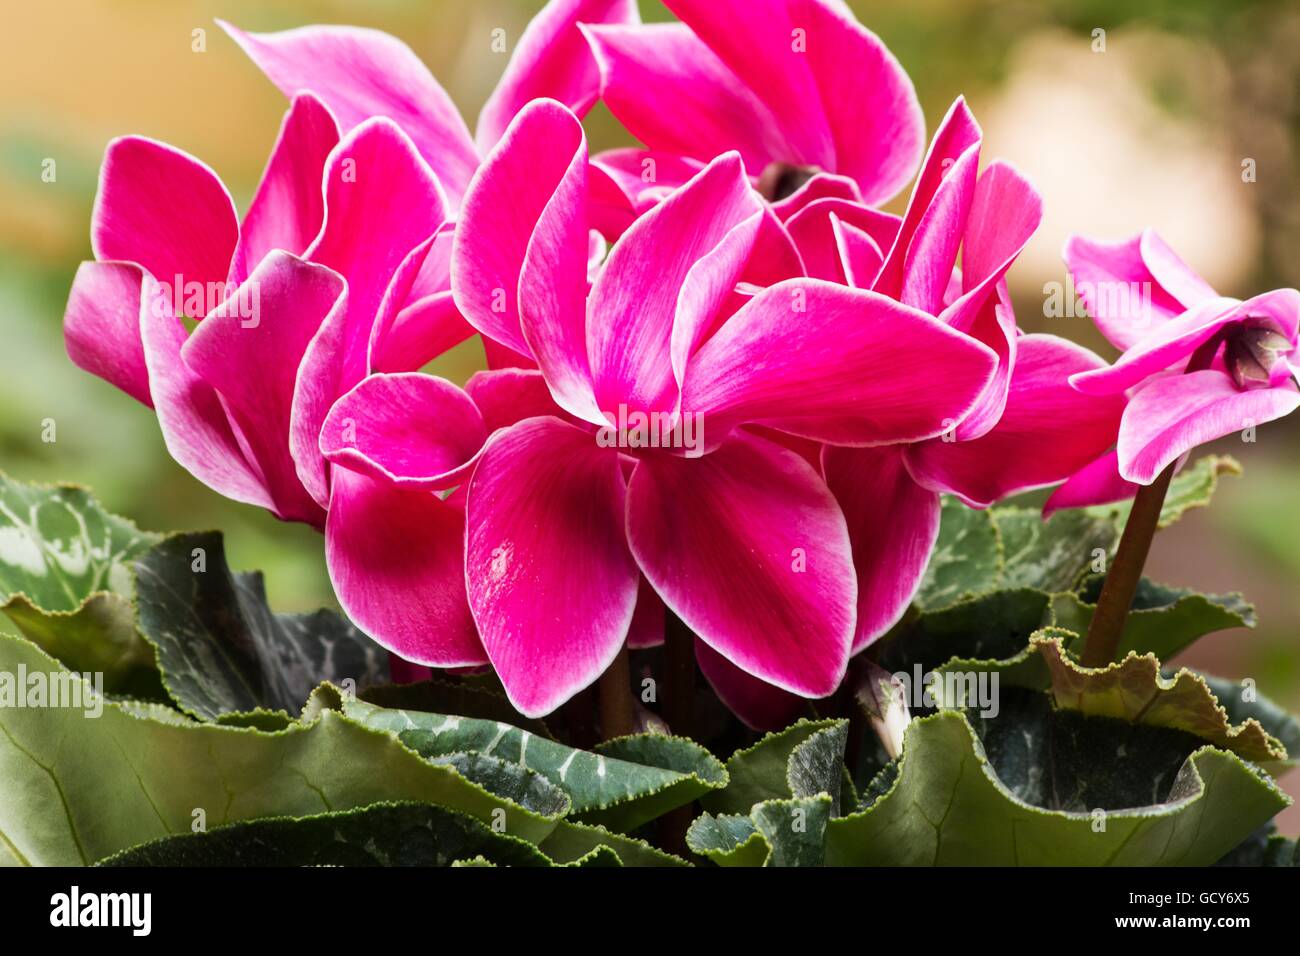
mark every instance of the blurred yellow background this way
{"type": "Point", "coordinates": [1150, 122]}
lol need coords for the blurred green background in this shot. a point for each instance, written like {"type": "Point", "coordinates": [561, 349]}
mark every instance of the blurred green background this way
{"type": "Point", "coordinates": [1153, 129]}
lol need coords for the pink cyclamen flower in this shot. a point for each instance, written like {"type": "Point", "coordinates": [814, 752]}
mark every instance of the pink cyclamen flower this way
{"type": "Point", "coordinates": [1028, 427]}
{"type": "Point", "coordinates": [1167, 319]}
{"type": "Point", "coordinates": [738, 535]}
{"type": "Point", "coordinates": [792, 85]}
{"type": "Point", "coordinates": [292, 305]}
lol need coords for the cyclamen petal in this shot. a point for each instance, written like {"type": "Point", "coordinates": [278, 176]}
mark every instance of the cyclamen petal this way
{"type": "Point", "coordinates": [893, 523]}
{"type": "Point", "coordinates": [748, 547]}
{"type": "Point", "coordinates": [409, 429]}
{"type": "Point", "coordinates": [760, 705]}
{"type": "Point", "coordinates": [674, 94]}
{"type": "Point", "coordinates": [635, 303]}
{"type": "Point", "coordinates": [101, 326]}
{"type": "Point", "coordinates": [288, 208]}
{"type": "Point", "coordinates": [409, 597]}
{"type": "Point", "coordinates": [1123, 296]}
{"type": "Point", "coordinates": [1047, 432]}
{"type": "Point", "coordinates": [1097, 483]}
{"type": "Point", "coordinates": [551, 582]}
{"type": "Point", "coordinates": [1170, 416]}
{"type": "Point", "coordinates": [511, 193]}
{"type": "Point", "coordinates": [249, 349]}
{"type": "Point", "coordinates": [551, 60]}
{"type": "Point", "coordinates": [193, 422]}
{"type": "Point", "coordinates": [361, 73]}
{"type": "Point", "coordinates": [167, 212]}
{"type": "Point", "coordinates": [837, 364]}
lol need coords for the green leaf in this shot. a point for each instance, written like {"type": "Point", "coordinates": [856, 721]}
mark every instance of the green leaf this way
{"type": "Point", "coordinates": [795, 830]}
{"type": "Point", "coordinates": [1243, 702]}
{"type": "Point", "coordinates": [761, 772]}
{"type": "Point", "coordinates": [65, 581]}
{"type": "Point", "coordinates": [79, 788]}
{"type": "Point", "coordinates": [1051, 555]}
{"type": "Point", "coordinates": [382, 834]}
{"type": "Point", "coordinates": [816, 766]}
{"type": "Point", "coordinates": [460, 697]}
{"type": "Point", "coordinates": [992, 627]}
{"type": "Point", "coordinates": [967, 557]}
{"type": "Point", "coordinates": [1134, 690]}
{"type": "Point", "coordinates": [222, 650]}
{"type": "Point", "coordinates": [727, 839]}
{"type": "Point", "coordinates": [1040, 787]}
{"type": "Point", "coordinates": [1163, 620]}
{"type": "Point", "coordinates": [627, 782]}
{"type": "Point", "coordinates": [577, 843]}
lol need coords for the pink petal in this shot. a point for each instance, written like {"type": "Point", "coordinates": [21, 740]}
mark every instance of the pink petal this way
{"type": "Point", "coordinates": [1170, 416]}
{"type": "Point", "coordinates": [956, 135]}
{"type": "Point", "coordinates": [361, 73]}
{"type": "Point", "coordinates": [551, 60]}
{"type": "Point", "coordinates": [1005, 212]}
{"type": "Point", "coordinates": [756, 40]}
{"type": "Point", "coordinates": [1170, 343]}
{"type": "Point", "coordinates": [408, 428]}
{"type": "Point", "coordinates": [553, 275]}
{"type": "Point", "coordinates": [1047, 432]}
{"type": "Point", "coordinates": [871, 106]}
{"type": "Point", "coordinates": [647, 629]}
{"type": "Point", "coordinates": [860, 257]}
{"type": "Point", "coordinates": [194, 424]}
{"type": "Point", "coordinates": [249, 349]}
{"type": "Point", "coordinates": [421, 331]}
{"type": "Point", "coordinates": [622, 184]}
{"type": "Point", "coordinates": [758, 704]}
{"type": "Point", "coordinates": [528, 182]}
{"type": "Point", "coordinates": [551, 583]}
{"type": "Point", "coordinates": [842, 365]}
{"type": "Point", "coordinates": [289, 205]}
{"type": "Point", "coordinates": [893, 524]}
{"type": "Point", "coordinates": [1173, 274]}
{"type": "Point", "coordinates": [675, 95]}
{"type": "Point", "coordinates": [395, 557]}
{"type": "Point", "coordinates": [650, 283]}
{"type": "Point", "coordinates": [101, 326]}
{"type": "Point", "coordinates": [995, 326]}
{"type": "Point", "coordinates": [1124, 298]}
{"type": "Point", "coordinates": [756, 559]}
{"type": "Point", "coordinates": [383, 206]}
{"type": "Point", "coordinates": [819, 186]}
{"type": "Point", "coordinates": [1096, 483]}
{"type": "Point", "coordinates": [167, 212]}
{"type": "Point", "coordinates": [814, 232]}
{"type": "Point", "coordinates": [509, 395]}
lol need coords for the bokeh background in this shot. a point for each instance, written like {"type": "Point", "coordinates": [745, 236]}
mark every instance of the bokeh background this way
{"type": "Point", "coordinates": [1151, 122]}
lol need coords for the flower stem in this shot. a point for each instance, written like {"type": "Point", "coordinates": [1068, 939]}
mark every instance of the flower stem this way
{"type": "Point", "coordinates": [1121, 584]}
{"type": "Point", "coordinates": [677, 690]}
{"type": "Point", "coordinates": [614, 690]}
{"type": "Point", "coordinates": [1125, 573]}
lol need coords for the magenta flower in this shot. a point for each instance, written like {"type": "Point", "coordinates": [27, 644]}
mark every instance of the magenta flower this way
{"type": "Point", "coordinates": [566, 514]}
{"type": "Point", "coordinates": [1026, 429]}
{"type": "Point", "coordinates": [293, 305]}
{"type": "Point", "coordinates": [1198, 366]}
{"type": "Point", "coordinates": [791, 85]}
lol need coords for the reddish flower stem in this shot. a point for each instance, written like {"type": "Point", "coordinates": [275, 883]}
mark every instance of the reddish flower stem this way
{"type": "Point", "coordinates": [614, 691]}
